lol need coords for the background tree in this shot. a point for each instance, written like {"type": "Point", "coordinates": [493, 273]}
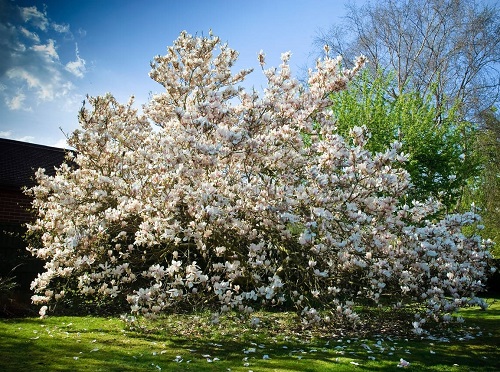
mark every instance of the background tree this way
{"type": "Point", "coordinates": [484, 190]}
{"type": "Point", "coordinates": [441, 158]}
{"type": "Point", "coordinates": [447, 48]}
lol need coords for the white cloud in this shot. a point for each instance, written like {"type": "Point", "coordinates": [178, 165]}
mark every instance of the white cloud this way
{"type": "Point", "coordinates": [22, 74]}
{"type": "Point", "coordinates": [62, 143]}
{"type": "Point", "coordinates": [47, 50]}
{"type": "Point", "coordinates": [63, 29]}
{"type": "Point", "coordinates": [31, 69]}
{"type": "Point", "coordinates": [9, 135]}
{"type": "Point", "coordinates": [17, 102]}
{"type": "Point", "coordinates": [26, 139]}
{"type": "Point", "coordinates": [77, 67]}
{"type": "Point", "coordinates": [82, 32]}
{"type": "Point", "coordinates": [35, 17]}
{"type": "Point", "coordinates": [30, 35]}
{"type": "Point", "coordinates": [46, 86]}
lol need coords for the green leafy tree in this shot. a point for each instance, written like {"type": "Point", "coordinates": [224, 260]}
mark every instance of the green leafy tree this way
{"type": "Point", "coordinates": [484, 190]}
{"type": "Point", "coordinates": [448, 50]}
{"type": "Point", "coordinates": [441, 158]}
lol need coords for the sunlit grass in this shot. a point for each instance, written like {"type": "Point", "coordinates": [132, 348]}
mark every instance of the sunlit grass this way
{"type": "Point", "coordinates": [192, 343]}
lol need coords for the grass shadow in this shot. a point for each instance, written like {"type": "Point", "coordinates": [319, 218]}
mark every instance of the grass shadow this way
{"type": "Point", "coordinates": [181, 343]}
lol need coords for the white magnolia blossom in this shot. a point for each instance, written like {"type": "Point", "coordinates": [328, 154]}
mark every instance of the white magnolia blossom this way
{"type": "Point", "coordinates": [222, 196]}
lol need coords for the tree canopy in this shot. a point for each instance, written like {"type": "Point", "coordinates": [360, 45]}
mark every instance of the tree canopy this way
{"type": "Point", "coordinates": [447, 48]}
{"type": "Point", "coordinates": [211, 198]}
{"type": "Point", "coordinates": [441, 155]}
{"type": "Point", "coordinates": [448, 53]}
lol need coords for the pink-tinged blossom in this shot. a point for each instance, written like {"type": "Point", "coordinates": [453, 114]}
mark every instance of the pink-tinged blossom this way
{"type": "Point", "coordinates": [239, 199]}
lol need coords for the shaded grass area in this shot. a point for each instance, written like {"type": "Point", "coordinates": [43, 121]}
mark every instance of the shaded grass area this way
{"type": "Point", "coordinates": [192, 343]}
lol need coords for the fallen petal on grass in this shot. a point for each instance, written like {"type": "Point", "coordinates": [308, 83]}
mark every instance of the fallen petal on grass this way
{"type": "Point", "coordinates": [403, 363]}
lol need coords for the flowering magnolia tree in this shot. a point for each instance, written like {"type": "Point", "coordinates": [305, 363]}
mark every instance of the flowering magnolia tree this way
{"type": "Point", "coordinates": [215, 196]}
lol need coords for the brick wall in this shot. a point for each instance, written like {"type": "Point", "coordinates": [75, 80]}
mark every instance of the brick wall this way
{"type": "Point", "coordinates": [14, 206]}
{"type": "Point", "coordinates": [14, 214]}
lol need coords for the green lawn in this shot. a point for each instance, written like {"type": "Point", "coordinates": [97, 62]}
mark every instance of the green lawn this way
{"type": "Point", "coordinates": [191, 343]}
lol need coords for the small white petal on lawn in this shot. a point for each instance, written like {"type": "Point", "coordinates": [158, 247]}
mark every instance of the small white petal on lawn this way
{"type": "Point", "coordinates": [403, 363]}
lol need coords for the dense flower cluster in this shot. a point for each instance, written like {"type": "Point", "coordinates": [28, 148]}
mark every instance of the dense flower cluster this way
{"type": "Point", "coordinates": [216, 195]}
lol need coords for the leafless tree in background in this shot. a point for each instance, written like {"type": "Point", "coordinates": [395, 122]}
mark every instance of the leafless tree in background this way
{"type": "Point", "coordinates": [448, 48]}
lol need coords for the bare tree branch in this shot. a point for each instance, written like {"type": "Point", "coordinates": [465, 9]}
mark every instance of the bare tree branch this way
{"type": "Point", "coordinates": [449, 48]}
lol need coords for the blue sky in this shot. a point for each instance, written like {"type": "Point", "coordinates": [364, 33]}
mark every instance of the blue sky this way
{"type": "Point", "coordinates": [53, 53]}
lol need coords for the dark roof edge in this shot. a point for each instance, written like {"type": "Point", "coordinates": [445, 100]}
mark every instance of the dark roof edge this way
{"type": "Point", "coordinates": [35, 145]}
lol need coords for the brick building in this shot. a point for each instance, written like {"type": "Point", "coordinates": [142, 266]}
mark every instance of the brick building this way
{"type": "Point", "coordinates": [18, 163]}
